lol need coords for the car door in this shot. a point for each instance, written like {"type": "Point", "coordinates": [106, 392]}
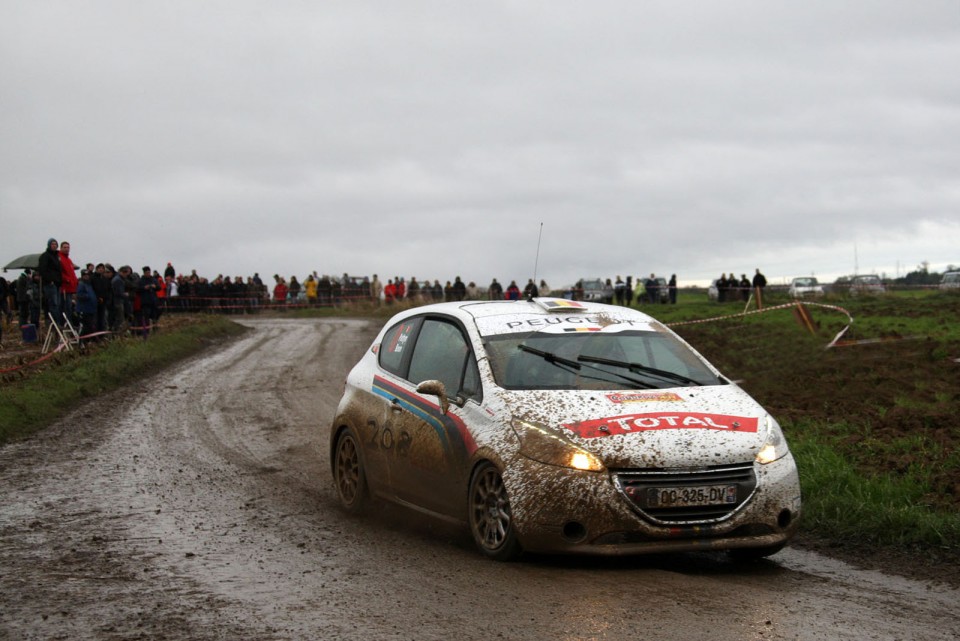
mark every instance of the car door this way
{"type": "Point", "coordinates": [433, 446]}
{"type": "Point", "coordinates": [379, 430]}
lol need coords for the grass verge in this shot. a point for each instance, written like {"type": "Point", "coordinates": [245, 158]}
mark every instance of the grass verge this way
{"type": "Point", "coordinates": [872, 425]}
{"type": "Point", "coordinates": [30, 404]}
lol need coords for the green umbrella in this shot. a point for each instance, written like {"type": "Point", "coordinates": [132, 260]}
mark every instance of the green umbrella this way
{"type": "Point", "coordinates": [27, 261]}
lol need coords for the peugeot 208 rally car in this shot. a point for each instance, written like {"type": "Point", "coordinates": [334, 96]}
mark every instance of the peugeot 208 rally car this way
{"type": "Point", "coordinates": [557, 426]}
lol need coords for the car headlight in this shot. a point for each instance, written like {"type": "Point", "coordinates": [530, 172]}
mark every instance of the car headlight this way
{"type": "Point", "coordinates": [775, 446]}
{"type": "Point", "coordinates": [546, 446]}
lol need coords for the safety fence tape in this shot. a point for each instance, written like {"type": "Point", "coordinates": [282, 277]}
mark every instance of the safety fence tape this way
{"type": "Point", "coordinates": [774, 308]}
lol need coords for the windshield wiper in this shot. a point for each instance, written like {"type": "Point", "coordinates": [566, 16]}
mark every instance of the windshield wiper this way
{"type": "Point", "coordinates": [575, 367]}
{"type": "Point", "coordinates": [550, 357]}
{"type": "Point", "coordinates": [640, 369]}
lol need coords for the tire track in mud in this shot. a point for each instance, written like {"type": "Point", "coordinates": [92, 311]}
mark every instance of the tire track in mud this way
{"type": "Point", "coordinates": [199, 506]}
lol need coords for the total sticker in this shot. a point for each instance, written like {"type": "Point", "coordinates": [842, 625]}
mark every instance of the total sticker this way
{"type": "Point", "coordinates": [633, 423]}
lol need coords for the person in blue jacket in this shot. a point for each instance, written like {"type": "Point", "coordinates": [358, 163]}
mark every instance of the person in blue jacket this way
{"type": "Point", "coordinates": [86, 304]}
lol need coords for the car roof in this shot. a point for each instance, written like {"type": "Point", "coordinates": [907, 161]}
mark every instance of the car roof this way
{"type": "Point", "coordinates": [560, 314]}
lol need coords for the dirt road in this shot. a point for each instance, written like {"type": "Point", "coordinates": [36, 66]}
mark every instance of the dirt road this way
{"type": "Point", "coordinates": [198, 505]}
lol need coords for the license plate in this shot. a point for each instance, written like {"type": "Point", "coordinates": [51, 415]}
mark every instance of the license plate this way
{"type": "Point", "coordinates": [691, 496]}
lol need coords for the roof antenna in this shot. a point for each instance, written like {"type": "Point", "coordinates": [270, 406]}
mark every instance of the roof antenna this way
{"type": "Point", "coordinates": [536, 261]}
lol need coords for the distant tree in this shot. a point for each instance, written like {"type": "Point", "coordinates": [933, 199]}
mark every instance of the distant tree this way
{"type": "Point", "coordinates": [920, 276]}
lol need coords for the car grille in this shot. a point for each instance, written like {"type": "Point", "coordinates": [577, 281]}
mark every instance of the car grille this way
{"type": "Point", "coordinates": [637, 486]}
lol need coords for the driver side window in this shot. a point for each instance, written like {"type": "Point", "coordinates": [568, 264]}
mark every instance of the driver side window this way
{"type": "Point", "coordinates": [442, 353]}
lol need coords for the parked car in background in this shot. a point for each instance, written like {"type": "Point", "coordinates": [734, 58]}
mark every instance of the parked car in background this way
{"type": "Point", "coordinates": [951, 280]}
{"type": "Point", "coordinates": [596, 291]}
{"type": "Point", "coordinates": [866, 284]}
{"type": "Point", "coordinates": [804, 287]}
{"type": "Point", "coordinates": [663, 290]}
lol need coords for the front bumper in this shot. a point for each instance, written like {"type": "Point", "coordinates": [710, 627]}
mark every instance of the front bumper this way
{"type": "Point", "coordinates": [560, 510]}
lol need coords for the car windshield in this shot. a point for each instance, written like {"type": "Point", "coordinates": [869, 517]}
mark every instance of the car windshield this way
{"type": "Point", "coordinates": [624, 360]}
{"type": "Point", "coordinates": [805, 282]}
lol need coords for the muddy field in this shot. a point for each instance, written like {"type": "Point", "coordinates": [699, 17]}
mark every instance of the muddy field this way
{"type": "Point", "coordinates": [198, 505]}
{"type": "Point", "coordinates": [877, 389]}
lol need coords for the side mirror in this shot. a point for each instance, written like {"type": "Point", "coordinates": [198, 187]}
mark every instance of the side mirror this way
{"type": "Point", "coordinates": [438, 389]}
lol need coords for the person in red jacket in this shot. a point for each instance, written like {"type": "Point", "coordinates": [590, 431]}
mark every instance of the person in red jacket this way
{"type": "Point", "coordinates": [68, 282]}
{"type": "Point", "coordinates": [390, 292]}
{"type": "Point", "coordinates": [279, 291]}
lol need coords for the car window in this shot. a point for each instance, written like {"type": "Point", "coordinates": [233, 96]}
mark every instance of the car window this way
{"type": "Point", "coordinates": [471, 387]}
{"type": "Point", "coordinates": [441, 353]}
{"type": "Point", "coordinates": [396, 345]}
{"type": "Point", "coordinates": [516, 368]}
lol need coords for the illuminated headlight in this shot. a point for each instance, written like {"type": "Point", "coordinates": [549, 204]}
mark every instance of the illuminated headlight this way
{"type": "Point", "coordinates": [545, 446]}
{"type": "Point", "coordinates": [775, 446]}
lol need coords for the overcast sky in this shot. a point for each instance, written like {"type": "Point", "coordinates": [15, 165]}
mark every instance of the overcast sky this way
{"type": "Point", "coordinates": [433, 139]}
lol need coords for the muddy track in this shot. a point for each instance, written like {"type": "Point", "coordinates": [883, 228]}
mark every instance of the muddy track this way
{"type": "Point", "coordinates": [198, 505]}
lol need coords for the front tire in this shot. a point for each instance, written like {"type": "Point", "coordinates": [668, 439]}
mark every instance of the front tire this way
{"type": "Point", "coordinates": [348, 474]}
{"type": "Point", "coordinates": [491, 519]}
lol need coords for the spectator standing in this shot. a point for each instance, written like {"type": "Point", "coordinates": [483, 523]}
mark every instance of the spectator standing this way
{"type": "Point", "coordinates": [68, 284]}
{"type": "Point", "coordinates": [744, 287]}
{"type": "Point", "coordinates": [722, 288]}
{"type": "Point", "coordinates": [173, 292]}
{"type": "Point", "coordinates": [51, 277]}
{"type": "Point", "coordinates": [100, 282]}
{"type": "Point", "coordinates": [472, 293]}
{"type": "Point", "coordinates": [495, 291]}
{"type": "Point", "coordinates": [619, 287]}
{"type": "Point", "coordinates": [376, 288]}
{"type": "Point", "coordinates": [147, 290]}
{"type": "Point", "coordinates": [652, 289]}
{"type": "Point", "coordinates": [672, 288]}
{"type": "Point", "coordinates": [513, 291]}
{"type": "Point", "coordinates": [413, 291]}
{"type": "Point", "coordinates": [759, 282]}
{"type": "Point", "coordinates": [119, 296]}
{"type": "Point", "coordinates": [23, 298]}
{"type": "Point", "coordinates": [169, 271]}
{"type": "Point", "coordinates": [294, 290]}
{"type": "Point", "coordinates": [530, 289]}
{"type": "Point", "coordinates": [35, 298]}
{"type": "Point", "coordinates": [389, 292]}
{"type": "Point", "coordinates": [5, 290]}
{"type": "Point", "coordinates": [279, 290]}
{"type": "Point", "coordinates": [324, 290]}
{"type": "Point", "coordinates": [459, 289]}
{"type": "Point", "coordinates": [639, 290]}
{"type": "Point", "coordinates": [310, 288]}
{"type": "Point", "coordinates": [86, 304]}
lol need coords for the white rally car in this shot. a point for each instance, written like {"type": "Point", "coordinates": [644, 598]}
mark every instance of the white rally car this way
{"type": "Point", "coordinates": [552, 425]}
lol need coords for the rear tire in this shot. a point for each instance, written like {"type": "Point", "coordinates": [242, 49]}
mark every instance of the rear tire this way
{"type": "Point", "coordinates": [348, 474]}
{"type": "Point", "coordinates": [491, 519]}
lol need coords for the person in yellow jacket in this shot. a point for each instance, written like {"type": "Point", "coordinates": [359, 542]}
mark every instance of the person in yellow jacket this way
{"type": "Point", "coordinates": [310, 287]}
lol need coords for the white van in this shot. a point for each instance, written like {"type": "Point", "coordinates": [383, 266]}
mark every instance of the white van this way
{"type": "Point", "coordinates": [951, 280]}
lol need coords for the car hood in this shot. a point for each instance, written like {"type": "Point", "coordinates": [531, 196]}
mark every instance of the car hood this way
{"type": "Point", "coordinates": [678, 427]}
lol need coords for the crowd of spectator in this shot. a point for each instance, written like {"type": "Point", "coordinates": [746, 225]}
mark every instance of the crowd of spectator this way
{"type": "Point", "coordinates": [101, 298]}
